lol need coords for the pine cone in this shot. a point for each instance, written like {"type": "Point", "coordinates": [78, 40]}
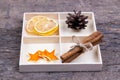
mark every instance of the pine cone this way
{"type": "Point", "coordinates": [76, 21]}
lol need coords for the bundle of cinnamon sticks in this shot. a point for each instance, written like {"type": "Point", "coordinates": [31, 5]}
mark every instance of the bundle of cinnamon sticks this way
{"type": "Point", "coordinates": [95, 38]}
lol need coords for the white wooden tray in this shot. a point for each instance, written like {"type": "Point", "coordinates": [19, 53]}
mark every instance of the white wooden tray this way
{"type": "Point", "coordinates": [61, 42]}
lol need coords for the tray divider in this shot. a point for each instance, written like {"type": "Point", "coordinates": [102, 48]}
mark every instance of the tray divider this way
{"type": "Point", "coordinates": [59, 32]}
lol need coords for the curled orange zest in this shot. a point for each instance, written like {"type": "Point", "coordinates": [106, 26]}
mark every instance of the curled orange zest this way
{"type": "Point", "coordinates": [49, 56]}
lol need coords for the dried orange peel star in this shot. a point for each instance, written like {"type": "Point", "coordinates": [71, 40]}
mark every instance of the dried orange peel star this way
{"type": "Point", "coordinates": [49, 56]}
{"type": "Point", "coordinates": [34, 57]}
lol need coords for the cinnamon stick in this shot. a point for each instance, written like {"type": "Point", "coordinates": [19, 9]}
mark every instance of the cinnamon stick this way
{"type": "Point", "coordinates": [94, 39]}
{"type": "Point", "coordinates": [70, 53]}
{"type": "Point", "coordinates": [72, 58]}
{"type": "Point", "coordinates": [91, 37]}
{"type": "Point", "coordinates": [76, 54]}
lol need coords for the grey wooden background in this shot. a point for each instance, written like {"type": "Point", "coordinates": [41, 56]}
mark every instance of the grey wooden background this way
{"type": "Point", "coordinates": [107, 14]}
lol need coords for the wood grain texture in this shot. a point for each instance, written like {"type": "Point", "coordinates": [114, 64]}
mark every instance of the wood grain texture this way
{"type": "Point", "coordinates": [107, 14]}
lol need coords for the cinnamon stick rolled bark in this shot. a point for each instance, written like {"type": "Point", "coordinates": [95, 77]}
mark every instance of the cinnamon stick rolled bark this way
{"type": "Point", "coordinates": [73, 57]}
{"type": "Point", "coordinates": [91, 37]}
{"type": "Point", "coordinates": [70, 53]}
{"type": "Point", "coordinates": [97, 40]}
{"type": "Point", "coordinates": [94, 39]}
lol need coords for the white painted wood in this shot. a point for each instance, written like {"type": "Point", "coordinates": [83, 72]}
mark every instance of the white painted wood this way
{"type": "Point", "coordinates": [89, 61]}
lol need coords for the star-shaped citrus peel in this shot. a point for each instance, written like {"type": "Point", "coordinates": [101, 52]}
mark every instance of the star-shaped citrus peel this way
{"type": "Point", "coordinates": [49, 56]}
{"type": "Point", "coordinates": [34, 57]}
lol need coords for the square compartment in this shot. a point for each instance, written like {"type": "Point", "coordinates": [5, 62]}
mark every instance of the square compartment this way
{"type": "Point", "coordinates": [65, 31]}
{"type": "Point", "coordinates": [28, 16]}
{"type": "Point", "coordinates": [31, 45]}
{"type": "Point", "coordinates": [88, 57]}
{"type": "Point", "coordinates": [61, 42]}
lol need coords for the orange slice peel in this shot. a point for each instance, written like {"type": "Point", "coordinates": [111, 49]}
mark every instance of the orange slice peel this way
{"type": "Point", "coordinates": [42, 25]}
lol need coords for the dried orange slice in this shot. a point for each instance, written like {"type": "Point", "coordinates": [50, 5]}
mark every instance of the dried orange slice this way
{"type": "Point", "coordinates": [32, 22]}
{"type": "Point", "coordinates": [46, 27]}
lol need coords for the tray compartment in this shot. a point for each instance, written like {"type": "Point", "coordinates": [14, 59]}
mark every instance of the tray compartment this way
{"type": "Point", "coordinates": [88, 57]}
{"type": "Point", "coordinates": [31, 45]}
{"type": "Point", "coordinates": [65, 31]}
{"type": "Point", "coordinates": [28, 16]}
